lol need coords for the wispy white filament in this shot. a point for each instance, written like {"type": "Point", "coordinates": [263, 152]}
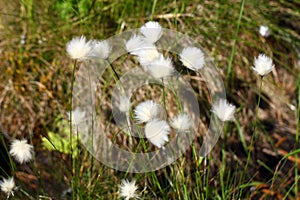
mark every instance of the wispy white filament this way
{"type": "Point", "coordinates": [264, 31]}
{"type": "Point", "coordinates": [124, 104]}
{"type": "Point", "coordinates": [7, 186]}
{"type": "Point", "coordinates": [21, 151]}
{"type": "Point", "coordinates": [78, 116]}
{"type": "Point", "coordinates": [101, 49]}
{"type": "Point", "coordinates": [135, 44]}
{"type": "Point", "coordinates": [146, 111]}
{"type": "Point", "coordinates": [147, 55]}
{"type": "Point", "coordinates": [78, 48]}
{"type": "Point", "coordinates": [157, 131]}
{"type": "Point", "coordinates": [181, 123]}
{"type": "Point", "coordinates": [161, 67]}
{"type": "Point", "coordinates": [152, 31]}
{"type": "Point", "coordinates": [225, 111]}
{"type": "Point", "coordinates": [128, 190]}
{"type": "Point", "coordinates": [263, 64]}
{"type": "Point", "coordinates": [192, 58]}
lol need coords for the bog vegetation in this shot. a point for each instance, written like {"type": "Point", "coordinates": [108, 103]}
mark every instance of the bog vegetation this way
{"type": "Point", "coordinates": [255, 46]}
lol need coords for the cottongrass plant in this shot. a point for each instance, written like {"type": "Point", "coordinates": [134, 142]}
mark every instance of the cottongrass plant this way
{"type": "Point", "coordinates": [79, 48]}
{"type": "Point", "coordinates": [143, 46]}
{"type": "Point", "coordinates": [263, 65]}
{"type": "Point", "coordinates": [147, 113]}
{"type": "Point", "coordinates": [21, 151]}
{"type": "Point", "coordinates": [8, 186]}
{"type": "Point", "coordinates": [158, 66]}
{"type": "Point", "coordinates": [225, 112]}
{"type": "Point", "coordinates": [128, 190]}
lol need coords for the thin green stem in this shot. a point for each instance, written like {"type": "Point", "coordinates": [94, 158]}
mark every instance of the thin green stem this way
{"type": "Point", "coordinates": [115, 74]}
{"type": "Point", "coordinates": [75, 164]}
{"type": "Point", "coordinates": [71, 133]}
{"type": "Point", "coordinates": [198, 181]}
{"type": "Point", "coordinates": [26, 194]}
{"type": "Point", "coordinates": [222, 172]}
{"type": "Point", "coordinates": [225, 134]}
{"type": "Point", "coordinates": [176, 96]}
{"type": "Point", "coordinates": [92, 129]}
{"type": "Point", "coordinates": [257, 107]}
{"type": "Point", "coordinates": [254, 135]}
{"type": "Point", "coordinates": [11, 162]}
{"type": "Point", "coordinates": [153, 9]}
{"type": "Point", "coordinates": [206, 174]}
{"type": "Point", "coordinates": [175, 14]}
{"type": "Point", "coordinates": [223, 166]}
{"type": "Point", "coordinates": [228, 75]}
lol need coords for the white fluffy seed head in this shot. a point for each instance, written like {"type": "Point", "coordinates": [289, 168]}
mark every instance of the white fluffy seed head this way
{"type": "Point", "coordinates": [135, 44]}
{"type": "Point", "coordinates": [181, 123]}
{"type": "Point", "coordinates": [78, 48]}
{"type": "Point", "coordinates": [124, 104]}
{"type": "Point", "coordinates": [225, 111]}
{"type": "Point", "coordinates": [192, 58]}
{"type": "Point", "coordinates": [21, 151]}
{"type": "Point", "coordinates": [157, 131]}
{"type": "Point", "coordinates": [147, 54]}
{"type": "Point", "coordinates": [101, 49]}
{"type": "Point", "coordinates": [152, 31]}
{"type": "Point", "coordinates": [146, 111]}
{"type": "Point", "coordinates": [263, 65]}
{"type": "Point", "coordinates": [128, 189]}
{"type": "Point", "coordinates": [7, 186]}
{"type": "Point", "coordinates": [264, 31]}
{"type": "Point", "coordinates": [161, 67]}
{"type": "Point", "coordinates": [78, 116]}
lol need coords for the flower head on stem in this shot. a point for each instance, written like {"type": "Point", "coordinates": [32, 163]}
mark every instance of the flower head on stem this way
{"type": "Point", "coordinates": [263, 65]}
{"type": "Point", "coordinates": [224, 110]}
{"type": "Point", "coordinates": [7, 186]}
{"type": "Point", "coordinates": [152, 31]}
{"type": "Point", "coordinates": [128, 189]}
{"type": "Point", "coordinates": [78, 48]}
{"type": "Point", "coordinates": [21, 151]}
